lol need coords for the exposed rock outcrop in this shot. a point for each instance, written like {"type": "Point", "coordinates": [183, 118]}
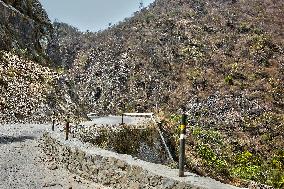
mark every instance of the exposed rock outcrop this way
{"type": "Point", "coordinates": [25, 28]}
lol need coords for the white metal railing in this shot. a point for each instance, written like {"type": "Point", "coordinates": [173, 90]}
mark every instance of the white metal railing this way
{"type": "Point", "coordinates": [138, 114]}
{"type": "Point", "coordinates": [158, 128]}
{"type": "Point", "coordinates": [162, 138]}
{"type": "Point", "coordinates": [135, 114]}
{"type": "Point", "coordinates": [91, 114]}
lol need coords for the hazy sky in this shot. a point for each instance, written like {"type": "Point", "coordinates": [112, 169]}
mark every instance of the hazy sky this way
{"type": "Point", "coordinates": [91, 15]}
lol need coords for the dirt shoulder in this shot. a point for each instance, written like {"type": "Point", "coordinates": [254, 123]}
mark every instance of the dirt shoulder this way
{"type": "Point", "coordinates": [24, 165]}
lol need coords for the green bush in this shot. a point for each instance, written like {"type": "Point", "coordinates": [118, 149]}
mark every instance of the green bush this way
{"type": "Point", "coordinates": [229, 80]}
{"type": "Point", "coordinates": [216, 162]}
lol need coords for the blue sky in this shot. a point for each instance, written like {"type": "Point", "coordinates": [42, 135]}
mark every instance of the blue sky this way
{"type": "Point", "coordinates": [91, 15]}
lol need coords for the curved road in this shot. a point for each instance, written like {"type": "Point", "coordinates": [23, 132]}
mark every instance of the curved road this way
{"type": "Point", "coordinates": [24, 166]}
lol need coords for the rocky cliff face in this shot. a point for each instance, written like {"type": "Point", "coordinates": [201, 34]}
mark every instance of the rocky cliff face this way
{"type": "Point", "coordinates": [25, 28]}
{"type": "Point", "coordinates": [32, 87]}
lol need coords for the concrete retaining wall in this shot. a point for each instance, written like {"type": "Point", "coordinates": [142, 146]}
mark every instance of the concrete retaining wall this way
{"type": "Point", "coordinates": [119, 170]}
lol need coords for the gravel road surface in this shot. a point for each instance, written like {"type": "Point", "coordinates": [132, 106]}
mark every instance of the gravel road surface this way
{"type": "Point", "coordinates": [23, 165]}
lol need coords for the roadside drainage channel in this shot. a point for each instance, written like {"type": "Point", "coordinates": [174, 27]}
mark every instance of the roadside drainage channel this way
{"type": "Point", "coordinates": [119, 170]}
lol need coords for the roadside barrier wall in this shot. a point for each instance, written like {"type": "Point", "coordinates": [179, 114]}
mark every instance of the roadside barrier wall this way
{"type": "Point", "coordinates": [119, 170]}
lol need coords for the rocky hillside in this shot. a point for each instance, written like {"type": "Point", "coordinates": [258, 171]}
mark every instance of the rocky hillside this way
{"type": "Point", "coordinates": [30, 92]}
{"type": "Point", "coordinates": [221, 59]}
{"type": "Point", "coordinates": [23, 86]}
{"type": "Point", "coordinates": [26, 30]}
{"type": "Point", "coordinates": [166, 57]}
{"type": "Point", "coordinates": [32, 84]}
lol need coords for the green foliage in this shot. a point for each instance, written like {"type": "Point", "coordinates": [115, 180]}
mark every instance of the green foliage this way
{"type": "Point", "coordinates": [276, 178]}
{"type": "Point", "coordinates": [21, 52]}
{"type": "Point", "coordinates": [207, 154]}
{"type": "Point", "coordinates": [267, 119]}
{"type": "Point", "coordinates": [261, 49]}
{"type": "Point", "coordinates": [244, 158]}
{"type": "Point", "coordinates": [244, 27]}
{"type": "Point", "coordinates": [149, 17]}
{"type": "Point", "coordinates": [249, 172]}
{"type": "Point", "coordinates": [247, 166]}
{"type": "Point", "coordinates": [175, 118]}
{"type": "Point", "coordinates": [229, 80]}
{"type": "Point", "coordinates": [251, 167]}
{"type": "Point", "coordinates": [60, 70]}
{"type": "Point", "coordinates": [12, 72]}
{"type": "Point", "coordinates": [208, 136]}
{"type": "Point", "coordinates": [220, 157]}
{"type": "Point", "coordinates": [208, 147]}
{"type": "Point", "coordinates": [193, 51]}
{"type": "Point", "coordinates": [196, 73]}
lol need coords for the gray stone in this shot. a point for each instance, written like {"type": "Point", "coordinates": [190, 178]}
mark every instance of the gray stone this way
{"type": "Point", "coordinates": [121, 171]}
{"type": "Point", "coordinates": [168, 183]}
{"type": "Point", "coordinates": [52, 166]}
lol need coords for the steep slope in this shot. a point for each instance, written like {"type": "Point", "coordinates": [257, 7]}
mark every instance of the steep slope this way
{"type": "Point", "coordinates": [221, 59]}
{"type": "Point", "coordinates": [23, 86]}
{"type": "Point", "coordinates": [203, 45]}
{"type": "Point", "coordinates": [32, 85]}
{"type": "Point", "coordinates": [26, 30]}
{"type": "Point", "coordinates": [30, 92]}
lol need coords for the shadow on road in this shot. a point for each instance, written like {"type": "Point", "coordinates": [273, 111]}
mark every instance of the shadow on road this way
{"type": "Point", "coordinates": [11, 139]}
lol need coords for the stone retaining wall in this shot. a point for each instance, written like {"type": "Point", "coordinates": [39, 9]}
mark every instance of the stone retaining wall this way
{"type": "Point", "coordinates": [119, 170]}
